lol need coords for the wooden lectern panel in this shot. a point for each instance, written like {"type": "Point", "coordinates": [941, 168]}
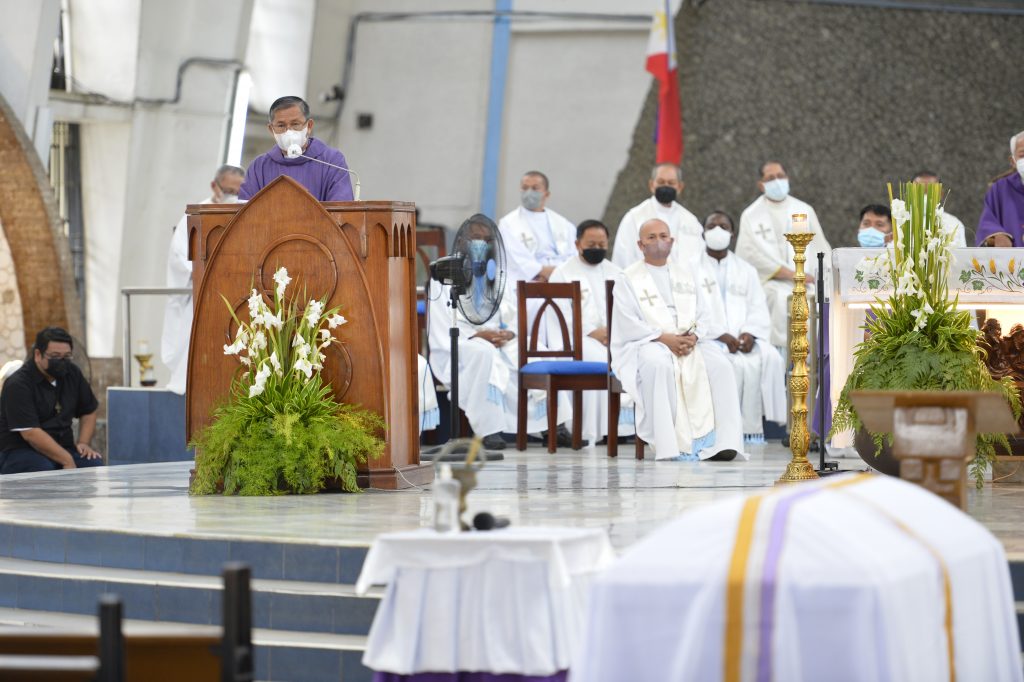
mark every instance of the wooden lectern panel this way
{"type": "Point", "coordinates": [361, 255]}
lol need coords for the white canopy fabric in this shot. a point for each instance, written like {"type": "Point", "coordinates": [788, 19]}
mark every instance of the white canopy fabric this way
{"type": "Point", "coordinates": [857, 577]}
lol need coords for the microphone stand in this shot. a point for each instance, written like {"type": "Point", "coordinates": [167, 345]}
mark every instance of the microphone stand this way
{"type": "Point", "coordinates": [453, 393]}
{"type": "Point", "coordinates": [824, 467]}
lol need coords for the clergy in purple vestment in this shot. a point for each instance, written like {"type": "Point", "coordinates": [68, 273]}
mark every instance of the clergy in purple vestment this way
{"type": "Point", "coordinates": [1002, 218]}
{"type": "Point", "coordinates": [301, 157]}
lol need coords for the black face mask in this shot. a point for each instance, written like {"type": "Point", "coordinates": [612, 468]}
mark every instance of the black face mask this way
{"type": "Point", "coordinates": [665, 194]}
{"type": "Point", "coordinates": [58, 368]}
{"type": "Point", "coordinates": [594, 256]}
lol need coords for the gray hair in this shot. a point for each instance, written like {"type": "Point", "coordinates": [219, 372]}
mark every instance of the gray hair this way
{"type": "Point", "coordinates": [288, 101]}
{"type": "Point", "coordinates": [1013, 142]}
{"type": "Point", "coordinates": [227, 169]}
{"type": "Point", "coordinates": [677, 169]}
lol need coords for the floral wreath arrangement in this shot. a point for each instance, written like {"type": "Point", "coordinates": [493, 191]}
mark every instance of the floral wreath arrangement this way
{"type": "Point", "coordinates": [917, 339]}
{"type": "Point", "coordinates": [282, 431]}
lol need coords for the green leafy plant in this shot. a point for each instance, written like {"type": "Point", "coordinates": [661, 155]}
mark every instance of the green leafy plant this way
{"type": "Point", "coordinates": [282, 431]}
{"type": "Point", "coordinates": [917, 339]}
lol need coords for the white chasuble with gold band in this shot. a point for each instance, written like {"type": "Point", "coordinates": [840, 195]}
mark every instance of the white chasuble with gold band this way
{"type": "Point", "coordinates": [695, 415]}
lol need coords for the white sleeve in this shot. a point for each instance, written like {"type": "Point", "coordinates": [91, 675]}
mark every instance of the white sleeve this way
{"type": "Point", "coordinates": [179, 267]}
{"type": "Point", "coordinates": [522, 265]}
{"type": "Point", "coordinates": [626, 252]}
{"type": "Point", "coordinates": [758, 324]}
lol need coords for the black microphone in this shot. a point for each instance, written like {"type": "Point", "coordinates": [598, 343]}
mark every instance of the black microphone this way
{"type": "Point", "coordinates": [295, 151]}
{"type": "Point", "coordinates": [487, 521]}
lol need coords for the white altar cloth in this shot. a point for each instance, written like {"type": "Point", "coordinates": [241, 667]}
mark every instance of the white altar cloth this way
{"type": "Point", "coordinates": [503, 601]}
{"type": "Point", "coordinates": [848, 578]}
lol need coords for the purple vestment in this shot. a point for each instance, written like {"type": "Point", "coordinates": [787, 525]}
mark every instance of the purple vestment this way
{"type": "Point", "coordinates": [323, 182]}
{"type": "Point", "coordinates": [1004, 210]}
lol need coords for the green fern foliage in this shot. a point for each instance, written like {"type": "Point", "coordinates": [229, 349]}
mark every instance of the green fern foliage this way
{"type": "Point", "coordinates": [917, 339]}
{"type": "Point", "coordinates": [282, 431]}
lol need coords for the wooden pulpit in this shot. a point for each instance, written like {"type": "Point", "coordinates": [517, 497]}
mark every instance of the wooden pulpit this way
{"type": "Point", "coordinates": [361, 256]}
{"type": "Point", "coordinates": [934, 432]}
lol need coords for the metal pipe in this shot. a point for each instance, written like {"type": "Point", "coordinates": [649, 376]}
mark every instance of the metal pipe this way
{"type": "Point", "coordinates": [126, 321]}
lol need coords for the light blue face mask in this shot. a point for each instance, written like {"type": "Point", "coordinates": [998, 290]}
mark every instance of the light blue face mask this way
{"type": "Point", "coordinates": [777, 189]}
{"type": "Point", "coordinates": [871, 238]}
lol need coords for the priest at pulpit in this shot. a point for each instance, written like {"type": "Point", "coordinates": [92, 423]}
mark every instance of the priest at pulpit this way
{"type": "Point", "coordinates": [320, 169]}
{"type": "Point", "coordinates": [1002, 218]}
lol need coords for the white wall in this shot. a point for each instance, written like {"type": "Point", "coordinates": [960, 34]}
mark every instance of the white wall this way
{"type": "Point", "coordinates": [27, 32]}
{"type": "Point", "coordinates": [573, 93]}
{"type": "Point", "coordinates": [574, 90]}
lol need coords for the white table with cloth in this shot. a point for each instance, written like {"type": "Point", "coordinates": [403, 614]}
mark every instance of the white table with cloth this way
{"type": "Point", "coordinates": [855, 577]}
{"type": "Point", "coordinates": [980, 278]}
{"type": "Point", "coordinates": [505, 603]}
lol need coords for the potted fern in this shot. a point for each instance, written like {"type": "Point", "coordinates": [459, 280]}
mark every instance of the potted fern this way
{"type": "Point", "coordinates": [282, 431]}
{"type": "Point", "coordinates": [917, 339]}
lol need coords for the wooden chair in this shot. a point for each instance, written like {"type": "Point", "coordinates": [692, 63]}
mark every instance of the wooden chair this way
{"type": "Point", "coordinates": [173, 655]}
{"type": "Point", "coordinates": [615, 386]}
{"type": "Point", "coordinates": [554, 375]}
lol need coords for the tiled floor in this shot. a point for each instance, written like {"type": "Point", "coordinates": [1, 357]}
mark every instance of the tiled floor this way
{"type": "Point", "coordinates": [582, 488]}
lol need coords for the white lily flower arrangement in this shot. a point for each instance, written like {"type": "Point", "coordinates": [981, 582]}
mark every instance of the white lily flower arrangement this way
{"type": "Point", "coordinates": [283, 430]}
{"type": "Point", "coordinates": [917, 339]}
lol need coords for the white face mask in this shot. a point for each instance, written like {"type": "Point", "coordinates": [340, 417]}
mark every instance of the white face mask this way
{"type": "Point", "coordinates": [292, 142]}
{"type": "Point", "coordinates": [1020, 167]}
{"type": "Point", "coordinates": [718, 238]}
{"type": "Point", "coordinates": [777, 189]}
{"type": "Point", "coordinates": [227, 198]}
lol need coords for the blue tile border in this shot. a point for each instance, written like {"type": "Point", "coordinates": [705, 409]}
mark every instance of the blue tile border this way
{"type": "Point", "coordinates": [265, 559]}
{"type": "Point", "coordinates": [302, 561]}
{"type": "Point", "coordinates": [311, 563]}
{"type": "Point", "coordinates": [186, 605]}
{"type": "Point", "coordinates": [352, 668]}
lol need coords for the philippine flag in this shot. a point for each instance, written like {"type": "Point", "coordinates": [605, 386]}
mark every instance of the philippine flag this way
{"type": "Point", "coordinates": [661, 63]}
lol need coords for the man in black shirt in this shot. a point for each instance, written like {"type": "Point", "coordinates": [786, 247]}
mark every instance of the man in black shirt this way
{"type": "Point", "coordinates": [37, 405]}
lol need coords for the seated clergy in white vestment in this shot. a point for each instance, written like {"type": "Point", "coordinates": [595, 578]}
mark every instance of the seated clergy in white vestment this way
{"type": "Point", "coordinates": [430, 415]}
{"type": "Point", "coordinates": [537, 240]}
{"type": "Point", "coordinates": [762, 244]}
{"type": "Point", "coordinates": [739, 308]}
{"type": "Point", "coordinates": [591, 269]}
{"type": "Point", "coordinates": [666, 185]}
{"type": "Point", "coordinates": [686, 402]}
{"type": "Point", "coordinates": [488, 360]}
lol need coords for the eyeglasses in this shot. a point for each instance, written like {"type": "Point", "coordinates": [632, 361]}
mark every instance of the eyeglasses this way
{"type": "Point", "coordinates": [281, 127]}
{"type": "Point", "coordinates": [66, 356]}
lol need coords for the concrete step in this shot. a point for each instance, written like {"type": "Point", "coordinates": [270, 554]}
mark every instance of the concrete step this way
{"type": "Point", "coordinates": [182, 554]}
{"type": "Point", "coordinates": [280, 654]}
{"type": "Point", "coordinates": [300, 606]}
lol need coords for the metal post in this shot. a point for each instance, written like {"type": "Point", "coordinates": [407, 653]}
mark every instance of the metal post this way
{"type": "Point", "coordinates": [453, 394]}
{"type": "Point", "coordinates": [126, 340]}
{"type": "Point", "coordinates": [236, 647]}
{"type": "Point", "coordinates": [111, 639]}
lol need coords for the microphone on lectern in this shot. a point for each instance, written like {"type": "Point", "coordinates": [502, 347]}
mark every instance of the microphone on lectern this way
{"type": "Point", "coordinates": [295, 151]}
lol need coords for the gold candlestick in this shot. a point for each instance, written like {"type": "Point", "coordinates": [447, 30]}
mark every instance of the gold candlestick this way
{"type": "Point", "coordinates": [799, 468]}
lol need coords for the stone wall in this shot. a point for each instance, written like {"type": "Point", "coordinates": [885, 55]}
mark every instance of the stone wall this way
{"type": "Point", "coordinates": [847, 98]}
{"type": "Point", "coordinates": [12, 326]}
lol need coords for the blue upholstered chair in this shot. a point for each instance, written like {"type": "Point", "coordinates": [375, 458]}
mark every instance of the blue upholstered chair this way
{"type": "Point", "coordinates": [560, 367]}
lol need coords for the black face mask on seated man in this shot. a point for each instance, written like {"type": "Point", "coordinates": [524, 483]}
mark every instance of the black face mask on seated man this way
{"type": "Point", "coordinates": [58, 368]}
{"type": "Point", "coordinates": [665, 194]}
{"type": "Point", "coordinates": [594, 256]}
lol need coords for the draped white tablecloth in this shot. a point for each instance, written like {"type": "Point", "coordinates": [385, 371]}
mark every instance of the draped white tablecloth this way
{"type": "Point", "coordinates": [504, 601]}
{"type": "Point", "coordinates": [850, 578]}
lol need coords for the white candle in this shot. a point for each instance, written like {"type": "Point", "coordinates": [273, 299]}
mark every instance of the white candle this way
{"type": "Point", "coordinates": [800, 222]}
{"type": "Point", "coordinates": [143, 346]}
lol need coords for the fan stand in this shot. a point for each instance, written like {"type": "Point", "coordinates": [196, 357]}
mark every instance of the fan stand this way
{"type": "Point", "coordinates": [444, 452]}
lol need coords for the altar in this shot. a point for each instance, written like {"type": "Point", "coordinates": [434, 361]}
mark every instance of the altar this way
{"type": "Point", "coordinates": [987, 281]}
